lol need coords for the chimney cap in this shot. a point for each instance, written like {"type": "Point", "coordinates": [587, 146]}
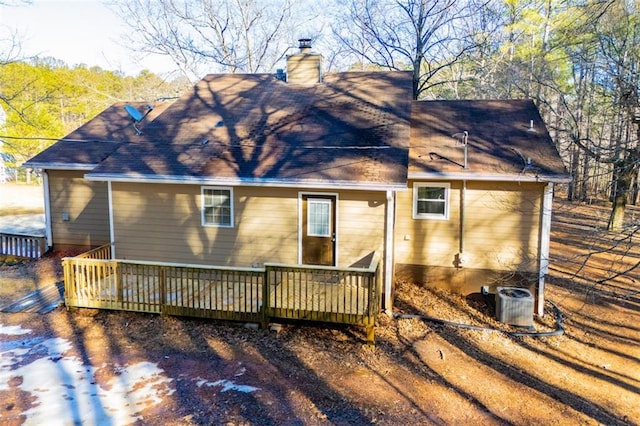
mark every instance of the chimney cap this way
{"type": "Point", "coordinates": [304, 43]}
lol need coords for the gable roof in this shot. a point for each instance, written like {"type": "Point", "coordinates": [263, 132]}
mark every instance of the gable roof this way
{"type": "Point", "coordinates": [501, 144]}
{"type": "Point", "coordinates": [95, 140]}
{"type": "Point", "coordinates": [352, 130]}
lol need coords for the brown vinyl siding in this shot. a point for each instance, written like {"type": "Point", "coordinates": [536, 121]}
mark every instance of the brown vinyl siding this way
{"type": "Point", "coordinates": [501, 228]}
{"type": "Point", "coordinates": [162, 222]}
{"type": "Point", "coordinates": [86, 203]}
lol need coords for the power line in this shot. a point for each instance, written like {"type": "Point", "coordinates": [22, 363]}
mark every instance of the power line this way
{"type": "Point", "coordinates": [222, 145]}
{"type": "Point", "coordinates": [43, 138]}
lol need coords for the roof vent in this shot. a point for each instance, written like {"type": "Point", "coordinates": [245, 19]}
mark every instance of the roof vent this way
{"type": "Point", "coordinates": [462, 139]}
{"type": "Point", "coordinates": [531, 129]}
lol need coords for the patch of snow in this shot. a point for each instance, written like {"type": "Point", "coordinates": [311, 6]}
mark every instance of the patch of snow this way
{"type": "Point", "coordinates": [24, 224]}
{"type": "Point", "coordinates": [65, 389]}
{"type": "Point", "coordinates": [13, 330]}
{"type": "Point", "coordinates": [226, 385]}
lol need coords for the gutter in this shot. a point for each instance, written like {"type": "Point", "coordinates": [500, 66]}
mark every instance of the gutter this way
{"type": "Point", "coordinates": [491, 177]}
{"type": "Point", "coordinates": [280, 183]}
{"type": "Point", "coordinates": [60, 166]}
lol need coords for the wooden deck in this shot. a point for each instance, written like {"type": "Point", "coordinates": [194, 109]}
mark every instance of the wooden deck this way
{"type": "Point", "coordinates": [25, 246]}
{"type": "Point", "coordinates": [341, 295]}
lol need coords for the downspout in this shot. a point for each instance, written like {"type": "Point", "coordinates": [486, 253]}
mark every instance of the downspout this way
{"type": "Point", "coordinates": [463, 197]}
{"type": "Point", "coordinates": [111, 229]}
{"type": "Point", "coordinates": [47, 209]}
{"type": "Point", "coordinates": [545, 238]}
{"type": "Point", "coordinates": [388, 252]}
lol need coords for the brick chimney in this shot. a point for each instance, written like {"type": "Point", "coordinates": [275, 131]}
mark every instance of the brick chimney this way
{"type": "Point", "coordinates": [304, 67]}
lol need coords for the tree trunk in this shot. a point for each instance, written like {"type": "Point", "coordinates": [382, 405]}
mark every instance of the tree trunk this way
{"type": "Point", "coordinates": [575, 164]}
{"type": "Point", "coordinates": [623, 172]}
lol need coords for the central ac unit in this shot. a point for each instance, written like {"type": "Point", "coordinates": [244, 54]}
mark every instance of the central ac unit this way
{"type": "Point", "coordinates": [514, 306]}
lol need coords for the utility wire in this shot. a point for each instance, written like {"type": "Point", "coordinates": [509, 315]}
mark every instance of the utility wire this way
{"type": "Point", "coordinates": [222, 145]}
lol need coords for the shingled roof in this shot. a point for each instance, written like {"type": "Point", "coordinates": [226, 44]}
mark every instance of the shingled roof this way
{"type": "Point", "coordinates": [507, 139]}
{"type": "Point", "coordinates": [352, 130]}
{"type": "Point", "coordinates": [95, 140]}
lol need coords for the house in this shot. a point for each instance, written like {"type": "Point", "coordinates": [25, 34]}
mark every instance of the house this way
{"type": "Point", "coordinates": [477, 209]}
{"type": "Point", "coordinates": [313, 169]}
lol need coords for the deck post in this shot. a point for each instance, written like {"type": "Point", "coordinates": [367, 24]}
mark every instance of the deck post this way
{"type": "Point", "coordinates": [162, 276]}
{"type": "Point", "coordinates": [371, 335]}
{"type": "Point", "coordinates": [266, 283]}
{"type": "Point", "coordinates": [119, 289]}
{"type": "Point", "coordinates": [67, 277]}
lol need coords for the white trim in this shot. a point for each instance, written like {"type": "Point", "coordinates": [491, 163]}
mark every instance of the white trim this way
{"type": "Point", "coordinates": [61, 166]}
{"type": "Point", "coordinates": [47, 209]}
{"type": "Point", "coordinates": [231, 204]}
{"type": "Point", "coordinates": [545, 237]}
{"type": "Point", "coordinates": [389, 251]}
{"type": "Point", "coordinates": [276, 183]}
{"type": "Point", "coordinates": [463, 213]}
{"type": "Point", "coordinates": [301, 194]}
{"type": "Point", "coordinates": [323, 201]}
{"type": "Point", "coordinates": [446, 201]}
{"type": "Point", "coordinates": [490, 177]}
{"type": "Point", "coordinates": [112, 232]}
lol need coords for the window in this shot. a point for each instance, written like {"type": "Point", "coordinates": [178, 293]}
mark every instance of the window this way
{"type": "Point", "coordinates": [318, 217]}
{"type": "Point", "coordinates": [431, 201]}
{"type": "Point", "coordinates": [217, 207]}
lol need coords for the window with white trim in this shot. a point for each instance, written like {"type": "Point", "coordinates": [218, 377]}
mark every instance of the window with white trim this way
{"type": "Point", "coordinates": [431, 200]}
{"type": "Point", "coordinates": [318, 217]}
{"type": "Point", "coordinates": [217, 207]}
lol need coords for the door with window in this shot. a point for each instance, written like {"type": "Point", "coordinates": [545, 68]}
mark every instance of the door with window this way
{"type": "Point", "coordinates": [318, 230]}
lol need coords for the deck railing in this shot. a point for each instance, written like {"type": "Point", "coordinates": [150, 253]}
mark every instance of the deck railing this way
{"type": "Point", "coordinates": [328, 294]}
{"type": "Point", "coordinates": [102, 252]}
{"type": "Point", "coordinates": [27, 246]}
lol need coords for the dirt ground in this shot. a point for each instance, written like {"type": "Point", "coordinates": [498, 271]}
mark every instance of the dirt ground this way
{"type": "Point", "coordinates": [418, 373]}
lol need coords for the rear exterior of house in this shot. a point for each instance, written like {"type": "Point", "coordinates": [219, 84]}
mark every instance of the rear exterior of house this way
{"type": "Point", "coordinates": [77, 210]}
{"type": "Point", "coordinates": [256, 225]}
{"type": "Point", "coordinates": [323, 171]}
{"type": "Point", "coordinates": [477, 211]}
{"type": "Point", "coordinates": [489, 236]}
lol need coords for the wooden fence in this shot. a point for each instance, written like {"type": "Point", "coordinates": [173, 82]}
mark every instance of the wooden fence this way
{"type": "Point", "coordinates": [26, 246]}
{"type": "Point", "coordinates": [328, 294]}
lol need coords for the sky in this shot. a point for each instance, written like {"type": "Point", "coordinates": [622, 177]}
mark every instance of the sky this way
{"type": "Point", "coordinates": [76, 32]}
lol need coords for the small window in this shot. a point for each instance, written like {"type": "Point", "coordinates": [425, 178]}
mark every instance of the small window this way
{"type": "Point", "coordinates": [217, 207]}
{"type": "Point", "coordinates": [431, 201]}
{"type": "Point", "coordinates": [318, 217]}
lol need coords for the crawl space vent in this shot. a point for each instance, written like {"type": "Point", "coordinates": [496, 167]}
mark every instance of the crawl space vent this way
{"type": "Point", "coordinates": [514, 306]}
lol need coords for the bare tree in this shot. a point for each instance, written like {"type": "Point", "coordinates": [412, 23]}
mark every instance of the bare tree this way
{"type": "Point", "coordinates": [217, 36]}
{"type": "Point", "coordinates": [426, 36]}
{"type": "Point", "coordinates": [616, 38]}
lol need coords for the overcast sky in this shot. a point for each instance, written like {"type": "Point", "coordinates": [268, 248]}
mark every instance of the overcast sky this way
{"type": "Point", "coordinates": [77, 32]}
